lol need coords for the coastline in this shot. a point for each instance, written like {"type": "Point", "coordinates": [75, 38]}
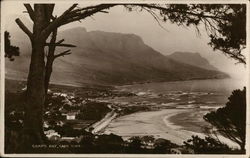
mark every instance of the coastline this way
{"type": "Point", "coordinates": [154, 123]}
{"type": "Point", "coordinates": [151, 123]}
{"type": "Point", "coordinates": [171, 81]}
{"type": "Point", "coordinates": [103, 123]}
{"type": "Point", "coordinates": [142, 123]}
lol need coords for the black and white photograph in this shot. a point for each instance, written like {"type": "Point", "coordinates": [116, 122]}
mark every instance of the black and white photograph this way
{"type": "Point", "coordinates": [124, 78]}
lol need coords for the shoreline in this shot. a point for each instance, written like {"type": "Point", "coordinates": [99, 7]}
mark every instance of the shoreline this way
{"type": "Point", "coordinates": [166, 130]}
{"type": "Point", "coordinates": [171, 81]}
{"type": "Point", "coordinates": [84, 84]}
{"type": "Point", "coordinates": [103, 123]}
{"type": "Point", "coordinates": [157, 124]}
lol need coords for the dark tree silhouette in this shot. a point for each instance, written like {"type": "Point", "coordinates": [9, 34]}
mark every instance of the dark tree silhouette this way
{"type": "Point", "coordinates": [233, 34]}
{"type": "Point", "coordinates": [163, 146]}
{"type": "Point", "coordinates": [135, 144]}
{"type": "Point", "coordinates": [230, 120]}
{"type": "Point", "coordinates": [207, 145]}
{"type": "Point", "coordinates": [9, 49]}
{"type": "Point", "coordinates": [46, 24]}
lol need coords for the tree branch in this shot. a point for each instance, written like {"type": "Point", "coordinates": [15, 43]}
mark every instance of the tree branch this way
{"type": "Point", "coordinates": [30, 11]}
{"type": "Point", "coordinates": [85, 8]}
{"type": "Point", "coordinates": [75, 16]}
{"type": "Point", "coordinates": [69, 10]}
{"type": "Point", "coordinates": [61, 41]}
{"type": "Point", "coordinates": [52, 47]}
{"type": "Point", "coordinates": [151, 6]}
{"type": "Point", "coordinates": [155, 17]}
{"type": "Point", "coordinates": [46, 32]}
{"type": "Point", "coordinates": [104, 11]}
{"type": "Point", "coordinates": [24, 28]}
{"type": "Point", "coordinates": [60, 45]}
{"type": "Point", "coordinates": [72, 15]}
{"type": "Point", "coordinates": [63, 53]}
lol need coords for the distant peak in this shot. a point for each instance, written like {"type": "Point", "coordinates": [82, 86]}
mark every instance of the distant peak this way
{"type": "Point", "coordinates": [127, 35]}
{"type": "Point", "coordinates": [83, 29]}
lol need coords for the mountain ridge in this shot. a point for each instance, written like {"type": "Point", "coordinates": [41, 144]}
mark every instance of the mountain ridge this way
{"type": "Point", "coordinates": [111, 58]}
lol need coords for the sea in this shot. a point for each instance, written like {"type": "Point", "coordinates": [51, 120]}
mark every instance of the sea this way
{"type": "Point", "coordinates": [181, 106]}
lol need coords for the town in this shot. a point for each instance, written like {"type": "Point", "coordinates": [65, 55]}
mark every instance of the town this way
{"type": "Point", "coordinates": [74, 121]}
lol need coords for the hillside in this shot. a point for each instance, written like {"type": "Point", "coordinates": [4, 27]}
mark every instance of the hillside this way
{"type": "Point", "coordinates": [108, 58]}
{"type": "Point", "coordinates": [194, 59]}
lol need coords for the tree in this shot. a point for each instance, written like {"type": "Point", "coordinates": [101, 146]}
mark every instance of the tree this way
{"type": "Point", "coordinates": [41, 15]}
{"type": "Point", "coordinates": [230, 120]}
{"type": "Point", "coordinates": [46, 24]}
{"type": "Point", "coordinates": [163, 146]}
{"type": "Point", "coordinates": [109, 143]}
{"type": "Point", "coordinates": [233, 34]}
{"type": "Point", "coordinates": [208, 145]}
{"type": "Point", "coordinates": [9, 49]}
{"type": "Point", "coordinates": [135, 145]}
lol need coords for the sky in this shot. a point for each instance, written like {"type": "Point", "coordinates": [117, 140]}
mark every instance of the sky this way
{"type": "Point", "coordinates": [171, 39]}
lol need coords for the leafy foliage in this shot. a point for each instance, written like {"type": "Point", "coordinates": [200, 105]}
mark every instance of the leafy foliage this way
{"type": "Point", "coordinates": [225, 25]}
{"type": "Point", "coordinates": [93, 111]}
{"type": "Point", "coordinates": [9, 49]}
{"type": "Point", "coordinates": [232, 37]}
{"type": "Point", "coordinates": [109, 143]}
{"type": "Point", "coordinates": [135, 144]}
{"type": "Point", "coordinates": [231, 119]}
{"type": "Point", "coordinates": [206, 146]}
{"type": "Point", "coordinates": [163, 146]}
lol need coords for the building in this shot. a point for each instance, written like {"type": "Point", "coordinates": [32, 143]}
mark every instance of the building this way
{"type": "Point", "coordinates": [71, 116]}
{"type": "Point", "coordinates": [52, 134]}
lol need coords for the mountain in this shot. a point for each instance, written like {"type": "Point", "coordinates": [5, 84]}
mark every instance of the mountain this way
{"type": "Point", "coordinates": [194, 59]}
{"type": "Point", "coordinates": [108, 58]}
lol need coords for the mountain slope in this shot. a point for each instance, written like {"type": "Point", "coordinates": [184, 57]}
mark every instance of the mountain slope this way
{"type": "Point", "coordinates": [194, 59]}
{"type": "Point", "coordinates": [110, 58]}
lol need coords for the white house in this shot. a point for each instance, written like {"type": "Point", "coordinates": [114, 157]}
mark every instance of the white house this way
{"type": "Point", "coordinates": [71, 116]}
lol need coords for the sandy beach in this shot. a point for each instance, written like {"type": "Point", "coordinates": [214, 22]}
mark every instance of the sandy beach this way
{"type": "Point", "coordinates": [157, 124]}
{"type": "Point", "coordinates": [154, 123]}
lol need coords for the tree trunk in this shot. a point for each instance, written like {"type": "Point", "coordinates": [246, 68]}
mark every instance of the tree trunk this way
{"type": "Point", "coordinates": [35, 97]}
{"type": "Point", "coordinates": [33, 122]}
{"type": "Point", "coordinates": [242, 146]}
